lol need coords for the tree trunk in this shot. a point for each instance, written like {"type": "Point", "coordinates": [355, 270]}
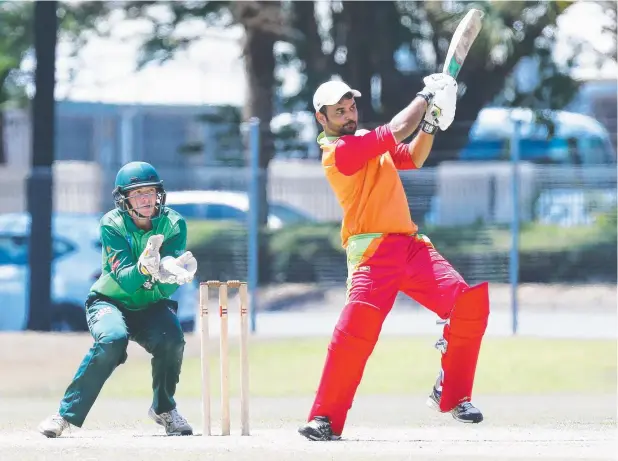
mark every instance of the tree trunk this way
{"type": "Point", "coordinates": [259, 62]}
{"type": "Point", "coordinates": [352, 26]}
{"type": "Point", "coordinates": [317, 65]}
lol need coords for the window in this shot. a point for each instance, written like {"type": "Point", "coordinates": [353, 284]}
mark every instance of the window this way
{"type": "Point", "coordinates": [218, 211]}
{"type": "Point", "coordinates": [287, 215]}
{"type": "Point", "coordinates": [61, 247]}
{"type": "Point", "coordinates": [593, 151]}
{"type": "Point", "coordinates": [14, 249]}
{"type": "Point", "coordinates": [190, 210]}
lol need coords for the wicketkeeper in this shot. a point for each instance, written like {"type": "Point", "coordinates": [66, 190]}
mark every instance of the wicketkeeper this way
{"type": "Point", "coordinates": [386, 254]}
{"type": "Point", "coordinates": [144, 262]}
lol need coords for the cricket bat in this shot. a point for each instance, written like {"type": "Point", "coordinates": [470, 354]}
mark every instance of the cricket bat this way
{"type": "Point", "coordinates": [465, 34]}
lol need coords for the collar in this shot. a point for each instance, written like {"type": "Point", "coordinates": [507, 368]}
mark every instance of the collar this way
{"type": "Point", "coordinates": [323, 139]}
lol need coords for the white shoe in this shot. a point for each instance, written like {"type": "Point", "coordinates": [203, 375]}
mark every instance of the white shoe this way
{"type": "Point", "coordinates": [172, 421]}
{"type": "Point", "coordinates": [53, 426]}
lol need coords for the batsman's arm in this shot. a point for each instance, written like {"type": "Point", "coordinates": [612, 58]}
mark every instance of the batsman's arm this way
{"type": "Point", "coordinates": [122, 265]}
{"type": "Point", "coordinates": [173, 246]}
{"type": "Point", "coordinates": [413, 155]}
{"type": "Point", "coordinates": [406, 122]}
{"type": "Point", "coordinates": [353, 152]}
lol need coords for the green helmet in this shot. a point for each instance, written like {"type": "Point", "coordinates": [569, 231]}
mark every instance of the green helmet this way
{"type": "Point", "coordinates": [134, 175]}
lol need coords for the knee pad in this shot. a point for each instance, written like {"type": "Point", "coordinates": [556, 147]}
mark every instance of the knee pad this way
{"type": "Point", "coordinates": [461, 345]}
{"type": "Point", "coordinates": [358, 328]}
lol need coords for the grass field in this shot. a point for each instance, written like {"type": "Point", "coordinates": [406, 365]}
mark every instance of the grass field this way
{"type": "Point", "coordinates": [287, 368]}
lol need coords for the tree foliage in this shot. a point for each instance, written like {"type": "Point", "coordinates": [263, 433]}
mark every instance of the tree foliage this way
{"type": "Point", "coordinates": [409, 40]}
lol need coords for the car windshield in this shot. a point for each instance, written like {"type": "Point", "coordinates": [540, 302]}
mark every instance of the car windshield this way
{"type": "Point", "coordinates": [287, 215]}
{"type": "Point", "coordinates": [190, 210]}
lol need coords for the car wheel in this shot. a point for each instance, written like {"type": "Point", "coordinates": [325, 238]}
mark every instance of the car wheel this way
{"type": "Point", "coordinates": [68, 317]}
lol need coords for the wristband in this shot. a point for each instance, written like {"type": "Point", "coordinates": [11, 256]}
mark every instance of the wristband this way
{"type": "Point", "coordinates": [428, 127]}
{"type": "Point", "coordinates": [427, 96]}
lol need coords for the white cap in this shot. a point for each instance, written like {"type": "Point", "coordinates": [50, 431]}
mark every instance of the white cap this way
{"type": "Point", "coordinates": [329, 93]}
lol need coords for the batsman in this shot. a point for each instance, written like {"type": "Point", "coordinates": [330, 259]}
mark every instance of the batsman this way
{"type": "Point", "coordinates": [386, 254]}
{"type": "Point", "coordinates": [143, 263]}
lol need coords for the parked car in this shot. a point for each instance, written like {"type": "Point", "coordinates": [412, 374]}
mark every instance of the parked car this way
{"type": "Point", "coordinates": [226, 205]}
{"type": "Point", "coordinates": [578, 138]}
{"type": "Point", "coordinates": [76, 264]}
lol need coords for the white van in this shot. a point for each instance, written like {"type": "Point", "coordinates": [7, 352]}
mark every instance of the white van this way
{"type": "Point", "coordinates": [578, 139]}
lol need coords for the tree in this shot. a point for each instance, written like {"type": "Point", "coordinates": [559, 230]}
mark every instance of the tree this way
{"type": "Point", "coordinates": [17, 47]}
{"type": "Point", "coordinates": [409, 40]}
{"type": "Point", "coordinates": [610, 27]}
{"type": "Point", "coordinates": [263, 23]}
{"type": "Point", "coordinates": [16, 41]}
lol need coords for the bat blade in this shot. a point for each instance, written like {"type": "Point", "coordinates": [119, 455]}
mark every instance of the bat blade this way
{"type": "Point", "coordinates": [463, 38]}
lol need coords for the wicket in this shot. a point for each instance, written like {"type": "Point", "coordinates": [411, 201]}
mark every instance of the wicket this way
{"type": "Point", "coordinates": [224, 356]}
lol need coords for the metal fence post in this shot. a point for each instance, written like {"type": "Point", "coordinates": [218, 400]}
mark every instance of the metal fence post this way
{"type": "Point", "coordinates": [254, 217]}
{"type": "Point", "coordinates": [514, 257]}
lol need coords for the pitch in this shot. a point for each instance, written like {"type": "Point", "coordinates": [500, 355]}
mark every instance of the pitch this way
{"type": "Point", "coordinates": [523, 420]}
{"type": "Point", "coordinates": [566, 427]}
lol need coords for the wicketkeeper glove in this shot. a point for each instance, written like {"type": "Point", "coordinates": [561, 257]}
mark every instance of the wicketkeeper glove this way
{"type": "Point", "coordinates": [179, 270]}
{"type": "Point", "coordinates": [149, 260]}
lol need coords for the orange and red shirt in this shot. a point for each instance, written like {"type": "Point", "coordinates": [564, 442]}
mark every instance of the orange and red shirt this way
{"type": "Point", "coordinates": [362, 171]}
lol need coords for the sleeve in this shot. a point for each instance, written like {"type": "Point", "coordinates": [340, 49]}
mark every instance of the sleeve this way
{"type": "Point", "coordinates": [353, 152]}
{"type": "Point", "coordinates": [174, 246]}
{"type": "Point", "coordinates": [123, 267]}
{"type": "Point", "coordinates": [401, 157]}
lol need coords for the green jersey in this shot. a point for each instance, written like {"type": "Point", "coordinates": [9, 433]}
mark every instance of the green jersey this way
{"type": "Point", "coordinates": [122, 244]}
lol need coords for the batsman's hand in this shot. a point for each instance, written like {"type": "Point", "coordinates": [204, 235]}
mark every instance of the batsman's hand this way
{"type": "Point", "coordinates": [441, 111]}
{"type": "Point", "coordinates": [433, 84]}
{"type": "Point", "coordinates": [149, 260]}
{"type": "Point", "coordinates": [179, 270]}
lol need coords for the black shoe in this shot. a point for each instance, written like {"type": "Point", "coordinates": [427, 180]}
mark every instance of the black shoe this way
{"type": "Point", "coordinates": [318, 429]}
{"type": "Point", "coordinates": [464, 412]}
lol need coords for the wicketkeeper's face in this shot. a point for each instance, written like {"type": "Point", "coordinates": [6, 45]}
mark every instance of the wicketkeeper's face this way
{"type": "Point", "coordinates": [340, 118]}
{"type": "Point", "coordinates": [143, 200]}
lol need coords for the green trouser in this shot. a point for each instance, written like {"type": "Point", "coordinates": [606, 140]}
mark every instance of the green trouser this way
{"type": "Point", "coordinates": [156, 329]}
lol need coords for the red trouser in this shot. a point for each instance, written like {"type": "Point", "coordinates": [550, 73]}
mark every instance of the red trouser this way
{"type": "Point", "coordinates": [378, 268]}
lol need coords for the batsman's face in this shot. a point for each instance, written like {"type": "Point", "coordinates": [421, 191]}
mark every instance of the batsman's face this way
{"type": "Point", "coordinates": [340, 118]}
{"type": "Point", "coordinates": [143, 200]}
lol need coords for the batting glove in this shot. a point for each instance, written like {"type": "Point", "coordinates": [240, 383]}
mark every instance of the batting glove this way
{"type": "Point", "coordinates": [441, 111]}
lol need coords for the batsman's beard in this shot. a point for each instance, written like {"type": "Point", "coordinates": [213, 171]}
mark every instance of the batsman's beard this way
{"type": "Point", "coordinates": [349, 128]}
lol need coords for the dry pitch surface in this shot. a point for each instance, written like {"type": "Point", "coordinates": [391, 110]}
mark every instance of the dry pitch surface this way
{"type": "Point", "coordinates": [518, 427]}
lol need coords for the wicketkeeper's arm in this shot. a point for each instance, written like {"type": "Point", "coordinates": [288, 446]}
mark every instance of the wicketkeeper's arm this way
{"type": "Point", "coordinates": [120, 260]}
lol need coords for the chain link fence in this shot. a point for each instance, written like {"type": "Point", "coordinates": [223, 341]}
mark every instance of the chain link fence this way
{"type": "Point", "coordinates": [567, 209]}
